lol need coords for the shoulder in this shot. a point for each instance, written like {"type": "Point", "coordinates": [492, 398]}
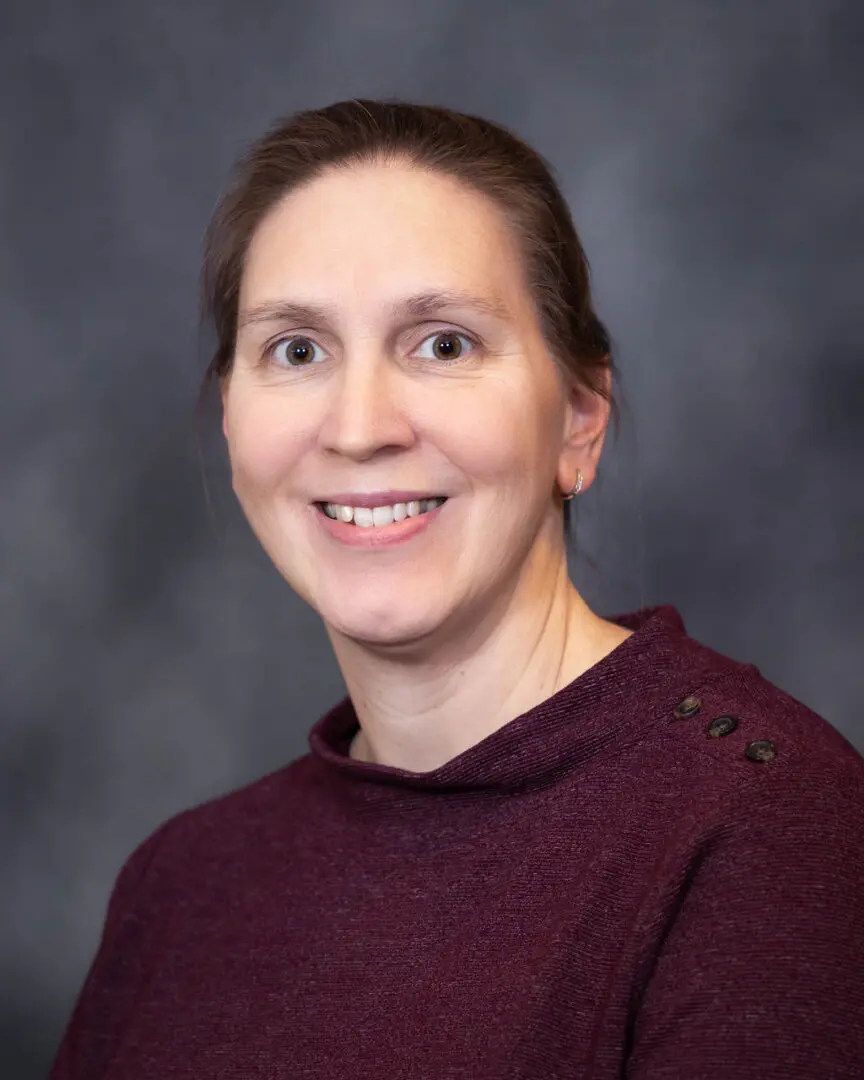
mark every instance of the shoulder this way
{"type": "Point", "coordinates": [719, 750]}
{"type": "Point", "coordinates": [759, 811]}
{"type": "Point", "coordinates": [755, 904]}
{"type": "Point", "coordinates": [744, 772]}
{"type": "Point", "coordinates": [743, 725]}
{"type": "Point", "coordinates": [196, 840]}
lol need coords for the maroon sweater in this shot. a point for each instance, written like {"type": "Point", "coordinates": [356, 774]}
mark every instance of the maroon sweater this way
{"type": "Point", "coordinates": [656, 873]}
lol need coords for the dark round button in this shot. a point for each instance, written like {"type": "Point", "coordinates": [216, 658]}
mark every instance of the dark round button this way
{"type": "Point", "coordinates": [688, 707]}
{"type": "Point", "coordinates": [722, 725]}
{"type": "Point", "coordinates": [761, 750]}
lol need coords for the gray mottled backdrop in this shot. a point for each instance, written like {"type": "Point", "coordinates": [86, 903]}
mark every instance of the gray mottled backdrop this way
{"type": "Point", "coordinates": [151, 657]}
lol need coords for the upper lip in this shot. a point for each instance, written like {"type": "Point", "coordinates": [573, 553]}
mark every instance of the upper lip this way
{"type": "Point", "coordinates": [378, 498]}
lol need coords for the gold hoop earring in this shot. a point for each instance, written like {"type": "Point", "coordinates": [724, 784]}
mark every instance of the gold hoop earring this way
{"type": "Point", "coordinates": [576, 489]}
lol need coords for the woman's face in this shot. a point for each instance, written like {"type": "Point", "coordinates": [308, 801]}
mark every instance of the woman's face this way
{"type": "Point", "coordinates": [387, 346]}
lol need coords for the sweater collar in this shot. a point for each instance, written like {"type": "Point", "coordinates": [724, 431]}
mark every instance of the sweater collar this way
{"type": "Point", "coordinates": [606, 705]}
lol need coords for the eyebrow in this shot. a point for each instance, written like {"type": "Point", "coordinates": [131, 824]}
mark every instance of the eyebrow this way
{"type": "Point", "coordinates": [416, 306]}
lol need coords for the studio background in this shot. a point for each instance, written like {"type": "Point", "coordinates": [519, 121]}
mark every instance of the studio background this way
{"type": "Point", "coordinates": [151, 656]}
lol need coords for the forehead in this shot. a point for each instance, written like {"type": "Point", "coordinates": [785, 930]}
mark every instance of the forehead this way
{"type": "Point", "coordinates": [377, 230]}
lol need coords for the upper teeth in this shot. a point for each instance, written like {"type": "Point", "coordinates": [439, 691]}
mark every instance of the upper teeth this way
{"type": "Point", "coordinates": [366, 516]}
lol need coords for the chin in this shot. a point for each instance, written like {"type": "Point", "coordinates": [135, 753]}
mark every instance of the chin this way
{"type": "Point", "coordinates": [392, 625]}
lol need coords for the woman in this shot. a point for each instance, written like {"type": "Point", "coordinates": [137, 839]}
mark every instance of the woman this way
{"type": "Point", "coordinates": [532, 841]}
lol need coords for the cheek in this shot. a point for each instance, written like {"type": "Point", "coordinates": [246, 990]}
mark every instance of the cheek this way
{"type": "Point", "coordinates": [499, 433]}
{"type": "Point", "coordinates": [264, 445]}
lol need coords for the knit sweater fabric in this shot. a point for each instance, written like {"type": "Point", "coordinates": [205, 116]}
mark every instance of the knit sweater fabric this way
{"type": "Point", "coordinates": [655, 874]}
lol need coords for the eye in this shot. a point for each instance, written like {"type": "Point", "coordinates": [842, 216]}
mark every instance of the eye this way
{"type": "Point", "coordinates": [447, 345]}
{"type": "Point", "coordinates": [298, 352]}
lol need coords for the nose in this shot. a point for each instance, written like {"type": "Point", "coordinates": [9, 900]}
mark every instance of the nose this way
{"type": "Point", "coordinates": [364, 412]}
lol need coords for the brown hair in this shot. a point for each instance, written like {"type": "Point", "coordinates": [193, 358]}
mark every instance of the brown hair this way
{"type": "Point", "coordinates": [484, 155]}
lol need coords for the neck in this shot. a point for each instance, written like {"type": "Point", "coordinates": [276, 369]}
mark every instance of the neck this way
{"type": "Point", "coordinates": [418, 713]}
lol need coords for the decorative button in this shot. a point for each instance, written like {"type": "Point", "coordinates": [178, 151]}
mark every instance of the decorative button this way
{"type": "Point", "coordinates": [688, 707]}
{"type": "Point", "coordinates": [761, 750]}
{"type": "Point", "coordinates": [722, 725]}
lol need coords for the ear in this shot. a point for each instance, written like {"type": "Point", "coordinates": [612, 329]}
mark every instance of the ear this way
{"type": "Point", "coordinates": [586, 418]}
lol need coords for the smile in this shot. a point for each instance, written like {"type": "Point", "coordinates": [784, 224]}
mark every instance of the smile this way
{"type": "Point", "coordinates": [375, 528]}
{"type": "Point", "coordinates": [367, 517]}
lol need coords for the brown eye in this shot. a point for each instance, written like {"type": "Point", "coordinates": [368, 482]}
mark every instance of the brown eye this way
{"type": "Point", "coordinates": [298, 352]}
{"type": "Point", "coordinates": [447, 345]}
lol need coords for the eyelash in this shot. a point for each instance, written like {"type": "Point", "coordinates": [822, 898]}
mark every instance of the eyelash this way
{"type": "Point", "coordinates": [448, 332]}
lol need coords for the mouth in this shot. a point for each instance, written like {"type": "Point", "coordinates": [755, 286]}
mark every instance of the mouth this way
{"type": "Point", "coordinates": [367, 517]}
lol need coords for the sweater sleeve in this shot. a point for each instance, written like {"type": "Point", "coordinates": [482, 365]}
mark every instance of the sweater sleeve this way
{"type": "Point", "coordinates": [115, 973]}
{"type": "Point", "coordinates": [761, 970]}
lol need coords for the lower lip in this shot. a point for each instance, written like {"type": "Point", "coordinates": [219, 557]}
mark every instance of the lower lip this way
{"type": "Point", "coordinates": [377, 535]}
